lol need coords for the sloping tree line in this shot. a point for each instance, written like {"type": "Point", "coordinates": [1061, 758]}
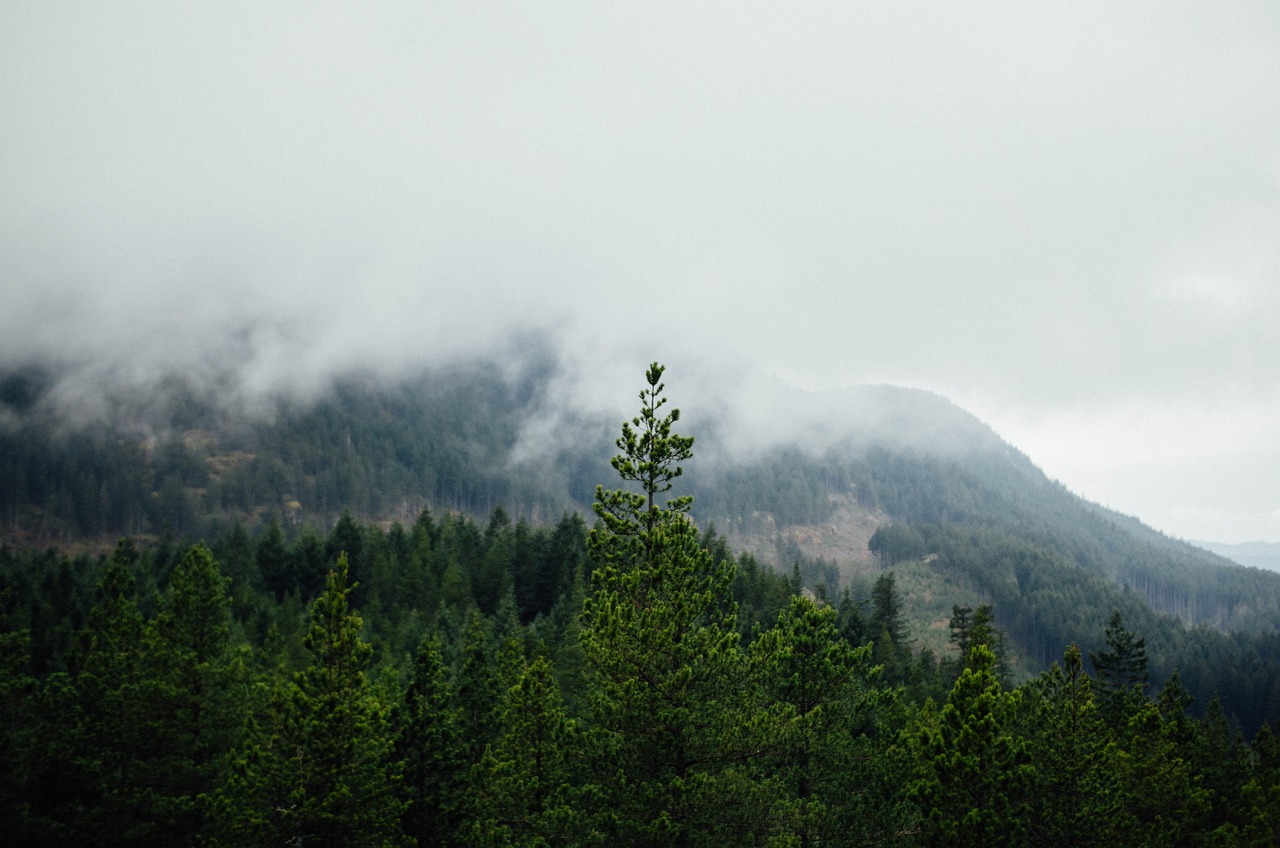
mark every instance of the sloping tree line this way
{"type": "Point", "coordinates": [200, 701]}
{"type": "Point", "coordinates": [1045, 600]}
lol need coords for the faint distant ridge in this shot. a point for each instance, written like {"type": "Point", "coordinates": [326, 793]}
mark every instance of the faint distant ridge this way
{"type": "Point", "coordinates": [1264, 555]}
{"type": "Point", "coordinates": [922, 419]}
{"type": "Point", "coordinates": [894, 417]}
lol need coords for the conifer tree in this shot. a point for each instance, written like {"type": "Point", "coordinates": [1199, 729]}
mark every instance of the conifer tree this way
{"type": "Point", "coordinates": [479, 686]}
{"type": "Point", "coordinates": [886, 611]}
{"type": "Point", "coordinates": [318, 769]}
{"type": "Point", "coordinates": [889, 630]}
{"type": "Point", "coordinates": [17, 700]}
{"type": "Point", "coordinates": [431, 751]}
{"type": "Point", "coordinates": [1122, 672]}
{"type": "Point", "coordinates": [976, 771]}
{"type": "Point", "coordinates": [114, 707]}
{"type": "Point", "coordinates": [200, 688]}
{"type": "Point", "coordinates": [1074, 798]}
{"type": "Point", "coordinates": [569, 658]}
{"type": "Point", "coordinates": [1261, 794]}
{"type": "Point", "coordinates": [137, 737]}
{"type": "Point", "coordinates": [660, 633]}
{"type": "Point", "coordinates": [1219, 757]}
{"type": "Point", "coordinates": [961, 624]}
{"type": "Point", "coordinates": [527, 784]}
{"type": "Point", "coordinates": [275, 563]}
{"type": "Point", "coordinates": [1161, 800]}
{"type": "Point", "coordinates": [825, 759]}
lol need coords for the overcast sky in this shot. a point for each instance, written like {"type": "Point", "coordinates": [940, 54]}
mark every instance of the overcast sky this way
{"type": "Point", "coordinates": [1064, 217]}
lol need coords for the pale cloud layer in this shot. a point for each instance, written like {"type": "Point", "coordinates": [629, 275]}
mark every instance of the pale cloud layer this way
{"type": "Point", "coordinates": [1063, 218]}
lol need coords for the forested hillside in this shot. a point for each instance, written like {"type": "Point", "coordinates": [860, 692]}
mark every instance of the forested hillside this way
{"type": "Point", "coordinates": [449, 681]}
{"type": "Point", "coordinates": [972, 521]}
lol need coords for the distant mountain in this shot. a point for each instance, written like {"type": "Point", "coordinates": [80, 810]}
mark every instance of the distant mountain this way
{"type": "Point", "coordinates": [841, 485]}
{"type": "Point", "coordinates": [1253, 554]}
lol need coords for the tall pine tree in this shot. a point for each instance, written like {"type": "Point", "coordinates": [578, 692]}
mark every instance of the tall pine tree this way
{"type": "Point", "coordinates": [527, 787]}
{"type": "Point", "coordinates": [660, 633]}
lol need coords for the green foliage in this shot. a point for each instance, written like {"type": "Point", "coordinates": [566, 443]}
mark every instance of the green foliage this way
{"type": "Point", "coordinates": [976, 770]}
{"type": "Point", "coordinates": [318, 768]}
{"type": "Point", "coordinates": [650, 458]}
{"type": "Point", "coordinates": [479, 686]}
{"type": "Point", "coordinates": [825, 759]}
{"type": "Point", "coordinates": [993, 528]}
{"type": "Point", "coordinates": [1161, 800]}
{"type": "Point", "coordinates": [1122, 671]}
{"type": "Point", "coordinates": [431, 750]}
{"type": "Point", "coordinates": [115, 708]}
{"type": "Point", "coordinates": [137, 735]}
{"type": "Point", "coordinates": [528, 788]}
{"type": "Point", "coordinates": [17, 699]}
{"type": "Point", "coordinates": [157, 734]}
{"type": "Point", "coordinates": [232, 695]}
{"type": "Point", "coordinates": [200, 686]}
{"type": "Point", "coordinates": [1261, 795]}
{"type": "Point", "coordinates": [970, 628]}
{"type": "Point", "coordinates": [661, 635]}
{"type": "Point", "coordinates": [1073, 800]}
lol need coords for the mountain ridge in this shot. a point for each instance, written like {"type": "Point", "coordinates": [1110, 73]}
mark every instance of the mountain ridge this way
{"type": "Point", "coordinates": [1256, 554]}
{"type": "Point", "coordinates": [886, 478]}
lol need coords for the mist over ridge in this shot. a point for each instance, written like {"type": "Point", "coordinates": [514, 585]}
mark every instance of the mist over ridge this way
{"type": "Point", "coordinates": [532, 409]}
{"type": "Point", "coordinates": [732, 408]}
{"type": "Point", "coordinates": [264, 197]}
{"type": "Point", "coordinates": [838, 485]}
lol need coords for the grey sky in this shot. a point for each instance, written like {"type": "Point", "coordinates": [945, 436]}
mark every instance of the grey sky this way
{"type": "Point", "coordinates": [1066, 219]}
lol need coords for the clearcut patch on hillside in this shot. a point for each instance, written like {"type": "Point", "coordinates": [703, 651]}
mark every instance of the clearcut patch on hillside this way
{"type": "Point", "coordinates": [842, 538]}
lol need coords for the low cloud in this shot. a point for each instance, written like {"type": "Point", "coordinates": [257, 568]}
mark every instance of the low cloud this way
{"type": "Point", "coordinates": [1038, 213]}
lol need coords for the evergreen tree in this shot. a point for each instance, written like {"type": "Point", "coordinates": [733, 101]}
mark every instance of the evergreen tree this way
{"type": "Point", "coordinates": [852, 620]}
{"type": "Point", "coordinates": [984, 631]}
{"type": "Point", "coordinates": [493, 578]}
{"type": "Point", "coordinates": [889, 630]}
{"type": "Point", "coordinates": [200, 689]}
{"type": "Point", "coordinates": [347, 538]}
{"type": "Point", "coordinates": [421, 590]}
{"type": "Point", "coordinates": [1073, 802]}
{"type": "Point", "coordinates": [138, 735]}
{"type": "Point", "coordinates": [115, 706]}
{"type": "Point", "coordinates": [318, 768]}
{"type": "Point", "coordinates": [527, 785]}
{"type": "Point", "coordinates": [570, 660]}
{"type": "Point", "coordinates": [1261, 794]}
{"type": "Point", "coordinates": [18, 692]}
{"type": "Point", "coordinates": [660, 633]}
{"type": "Point", "coordinates": [309, 564]}
{"type": "Point", "coordinates": [976, 771]}
{"type": "Point", "coordinates": [276, 564]}
{"type": "Point", "coordinates": [431, 751]}
{"type": "Point", "coordinates": [1161, 801]}
{"type": "Point", "coordinates": [887, 615]}
{"type": "Point", "coordinates": [961, 624]}
{"type": "Point", "coordinates": [1122, 672]}
{"type": "Point", "coordinates": [479, 687]}
{"type": "Point", "coordinates": [1219, 757]}
{"type": "Point", "coordinates": [824, 761]}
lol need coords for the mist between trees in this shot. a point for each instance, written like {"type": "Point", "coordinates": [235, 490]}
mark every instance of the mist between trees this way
{"type": "Point", "coordinates": [628, 682]}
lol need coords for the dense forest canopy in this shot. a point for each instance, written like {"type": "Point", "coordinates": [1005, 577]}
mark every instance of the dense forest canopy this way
{"type": "Point", "coordinates": [472, 615]}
